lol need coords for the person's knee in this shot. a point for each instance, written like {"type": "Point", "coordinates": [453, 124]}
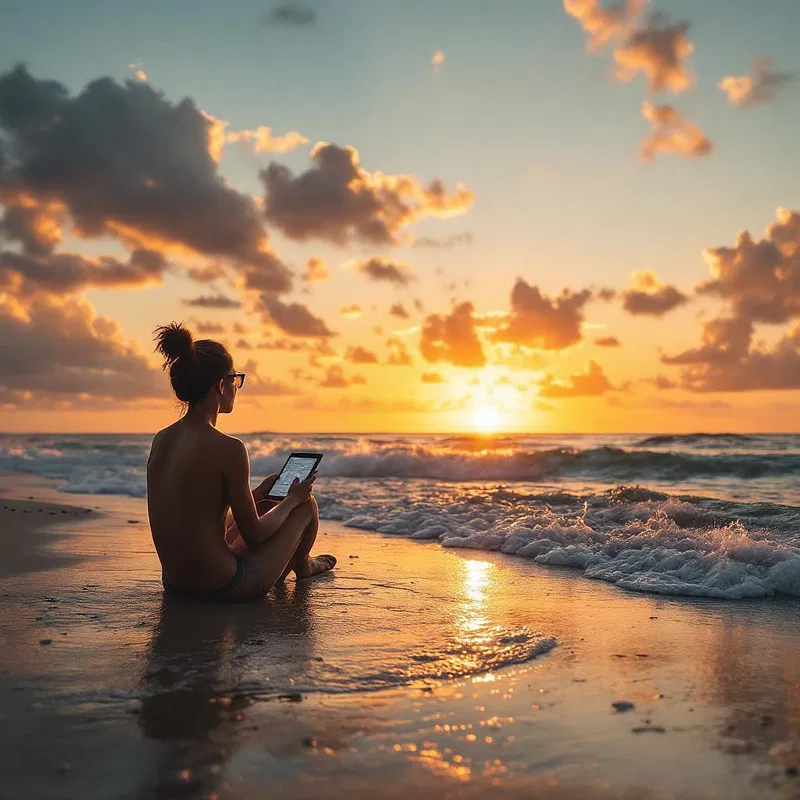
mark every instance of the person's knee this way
{"type": "Point", "coordinates": [304, 512]}
{"type": "Point", "coordinates": [312, 501]}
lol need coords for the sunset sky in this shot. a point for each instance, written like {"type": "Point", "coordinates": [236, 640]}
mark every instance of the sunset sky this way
{"type": "Point", "coordinates": [529, 215]}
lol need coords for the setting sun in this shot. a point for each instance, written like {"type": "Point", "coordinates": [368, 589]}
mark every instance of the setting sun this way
{"type": "Point", "coordinates": [486, 419]}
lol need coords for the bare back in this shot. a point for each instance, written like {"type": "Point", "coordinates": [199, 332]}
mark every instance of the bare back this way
{"type": "Point", "coordinates": [187, 505]}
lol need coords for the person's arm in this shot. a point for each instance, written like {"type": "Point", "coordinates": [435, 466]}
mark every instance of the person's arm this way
{"type": "Point", "coordinates": [256, 530]}
{"type": "Point", "coordinates": [263, 504]}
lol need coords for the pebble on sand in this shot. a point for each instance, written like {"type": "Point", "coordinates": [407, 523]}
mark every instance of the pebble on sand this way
{"type": "Point", "coordinates": [623, 705]}
{"type": "Point", "coordinates": [45, 641]}
{"type": "Point", "coordinates": [649, 729]}
{"type": "Point", "coordinates": [309, 741]}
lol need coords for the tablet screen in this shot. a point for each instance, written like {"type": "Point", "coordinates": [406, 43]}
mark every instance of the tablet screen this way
{"type": "Point", "coordinates": [298, 466]}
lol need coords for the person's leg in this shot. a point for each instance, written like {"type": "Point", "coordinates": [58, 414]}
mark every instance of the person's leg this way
{"type": "Point", "coordinates": [266, 563]}
{"type": "Point", "coordinates": [303, 564]}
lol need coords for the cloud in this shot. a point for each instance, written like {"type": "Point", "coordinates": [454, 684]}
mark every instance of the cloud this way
{"type": "Point", "coordinates": [336, 199]}
{"type": "Point", "coordinates": [656, 49]}
{"type": "Point", "coordinates": [66, 273]}
{"type": "Point", "coordinates": [292, 15]}
{"type": "Point", "coordinates": [122, 160]}
{"type": "Point", "coordinates": [760, 279]}
{"type": "Point", "coordinates": [745, 91]}
{"type": "Point", "coordinates": [725, 340]}
{"type": "Point", "coordinates": [292, 318]}
{"type": "Point", "coordinates": [672, 133]}
{"type": "Point", "coordinates": [650, 296]}
{"type": "Point", "coordinates": [541, 322]}
{"type": "Point", "coordinates": [604, 23]}
{"type": "Point", "coordinates": [446, 243]}
{"type": "Point", "coordinates": [316, 271]}
{"type": "Point", "coordinates": [437, 59]}
{"type": "Point", "coordinates": [432, 377]}
{"type": "Point", "coordinates": [727, 361]}
{"type": "Point", "coordinates": [258, 386]}
{"type": "Point", "coordinates": [36, 226]}
{"type": "Point", "coordinates": [263, 141]}
{"type": "Point", "coordinates": [659, 51]}
{"type": "Point", "coordinates": [382, 269]}
{"type": "Point", "coordinates": [399, 310]}
{"type": "Point", "coordinates": [61, 347]}
{"type": "Point", "coordinates": [208, 327]}
{"type": "Point", "coordinates": [607, 341]}
{"type": "Point", "coordinates": [452, 338]}
{"type": "Point", "coordinates": [206, 274]}
{"type": "Point", "coordinates": [590, 383]}
{"type": "Point", "coordinates": [398, 354]}
{"type": "Point", "coordinates": [212, 301]}
{"type": "Point", "coordinates": [335, 378]}
{"type": "Point", "coordinates": [360, 355]}
{"type": "Point", "coordinates": [352, 311]}
{"type": "Point", "coordinates": [137, 70]}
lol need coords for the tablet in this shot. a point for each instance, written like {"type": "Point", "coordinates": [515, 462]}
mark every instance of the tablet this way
{"type": "Point", "coordinates": [298, 465]}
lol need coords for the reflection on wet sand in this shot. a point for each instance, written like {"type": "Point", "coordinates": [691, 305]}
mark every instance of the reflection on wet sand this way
{"type": "Point", "coordinates": [196, 678]}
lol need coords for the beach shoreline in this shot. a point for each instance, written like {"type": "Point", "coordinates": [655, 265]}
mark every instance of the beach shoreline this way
{"type": "Point", "coordinates": [339, 686]}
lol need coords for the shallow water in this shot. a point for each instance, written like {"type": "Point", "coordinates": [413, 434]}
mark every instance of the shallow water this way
{"type": "Point", "coordinates": [407, 668]}
{"type": "Point", "coordinates": [709, 515]}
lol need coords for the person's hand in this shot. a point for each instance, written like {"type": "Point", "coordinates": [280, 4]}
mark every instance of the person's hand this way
{"type": "Point", "coordinates": [300, 491]}
{"type": "Point", "coordinates": [263, 489]}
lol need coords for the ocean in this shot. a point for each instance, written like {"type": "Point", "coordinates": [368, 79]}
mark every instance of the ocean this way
{"type": "Point", "coordinates": [704, 515]}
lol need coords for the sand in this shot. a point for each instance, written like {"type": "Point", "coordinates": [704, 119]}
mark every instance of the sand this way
{"type": "Point", "coordinates": [106, 690]}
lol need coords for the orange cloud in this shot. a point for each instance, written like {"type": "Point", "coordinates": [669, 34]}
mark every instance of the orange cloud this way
{"type": "Point", "coordinates": [263, 141]}
{"type": "Point", "coordinates": [747, 91]}
{"type": "Point", "coordinates": [360, 355]}
{"type": "Point", "coordinates": [650, 296]}
{"type": "Point", "coordinates": [316, 271]}
{"type": "Point", "coordinates": [607, 341]}
{"type": "Point", "coordinates": [60, 347]}
{"type": "Point", "coordinates": [604, 23]}
{"type": "Point", "coordinates": [432, 377]}
{"type": "Point", "coordinates": [452, 338]}
{"type": "Point", "coordinates": [352, 311]}
{"type": "Point", "coordinates": [590, 383]}
{"type": "Point", "coordinates": [398, 354]}
{"type": "Point", "coordinates": [759, 278]}
{"type": "Point", "coordinates": [292, 318]}
{"type": "Point", "coordinates": [672, 133]}
{"type": "Point", "coordinates": [336, 199]}
{"type": "Point", "coordinates": [212, 301]}
{"type": "Point", "coordinates": [727, 361]}
{"type": "Point", "coordinates": [659, 51]}
{"type": "Point", "coordinates": [382, 269]}
{"type": "Point", "coordinates": [66, 273]}
{"type": "Point", "coordinates": [542, 322]}
{"type": "Point", "coordinates": [437, 59]}
{"type": "Point", "coordinates": [149, 199]}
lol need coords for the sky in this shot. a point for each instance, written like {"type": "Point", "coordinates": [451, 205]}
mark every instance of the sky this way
{"type": "Point", "coordinates": [551, 216]}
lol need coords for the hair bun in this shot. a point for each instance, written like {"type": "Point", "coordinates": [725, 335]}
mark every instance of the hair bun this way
{"type": "Point", "coordinates": [174, 341]}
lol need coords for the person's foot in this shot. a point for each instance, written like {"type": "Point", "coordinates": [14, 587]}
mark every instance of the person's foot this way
{"type": "Point", "coordinates": [316, 566]}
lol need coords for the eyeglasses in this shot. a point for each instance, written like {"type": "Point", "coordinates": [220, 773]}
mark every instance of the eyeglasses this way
{"type": "Point", "coordinates": [238, 379]}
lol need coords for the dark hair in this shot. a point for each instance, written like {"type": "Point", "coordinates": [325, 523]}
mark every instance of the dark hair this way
{"type": "Point", "coordinates": [194, 366]}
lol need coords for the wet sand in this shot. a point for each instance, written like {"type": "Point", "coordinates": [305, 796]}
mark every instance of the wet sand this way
{"type": "Point", "coordinates": [337, 686]}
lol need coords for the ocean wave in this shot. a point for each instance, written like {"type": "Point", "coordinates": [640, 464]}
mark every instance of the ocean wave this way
{"type": "Point", "coordinates": [610, 464]}
{"type": "Point", "coordinates": [633, 537]}
{"type": "Point", "coordinates": [692, 439]}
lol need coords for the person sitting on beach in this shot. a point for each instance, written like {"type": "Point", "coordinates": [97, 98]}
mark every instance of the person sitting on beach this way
{"type": "Point", "coordinates": [196, 474]}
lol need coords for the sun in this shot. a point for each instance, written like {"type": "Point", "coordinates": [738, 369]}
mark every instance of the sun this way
{"type": "Point", "coordinates": [486, 419]}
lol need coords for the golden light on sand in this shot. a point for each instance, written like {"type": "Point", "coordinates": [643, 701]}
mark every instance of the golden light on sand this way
{"type": "Point", "coordinates": [486, 419]}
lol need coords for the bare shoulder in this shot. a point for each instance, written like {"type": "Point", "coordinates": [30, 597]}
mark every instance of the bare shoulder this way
{"type": "Point", "coordinates": [229, 445]}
